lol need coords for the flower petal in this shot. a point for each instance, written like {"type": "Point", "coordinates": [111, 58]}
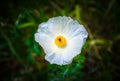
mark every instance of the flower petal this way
{"type": "Point", "coordinates": [55, 58]}
{"type": "Point", "coordinates": [73, 29]}
{"type": "Point", "coordinates": [74, 47]}
{"type": "Point", "coordinates": [45, 41]}
{"type": "Point", "coordinates": [57, 24]}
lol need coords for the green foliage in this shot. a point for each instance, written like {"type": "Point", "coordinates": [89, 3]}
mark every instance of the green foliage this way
{"type": "Point", "coordinates": [22, 59]}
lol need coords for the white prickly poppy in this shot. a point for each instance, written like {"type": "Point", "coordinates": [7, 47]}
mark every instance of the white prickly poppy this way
{"type": "Point", "coordinates": [61, 38]}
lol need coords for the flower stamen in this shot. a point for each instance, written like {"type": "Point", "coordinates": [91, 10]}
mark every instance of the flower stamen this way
{"type": "Point", "coordinates": [60, 41]}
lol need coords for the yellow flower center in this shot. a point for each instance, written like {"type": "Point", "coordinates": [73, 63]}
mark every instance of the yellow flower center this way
{"type": "Point", "coordinates": [60, 41]}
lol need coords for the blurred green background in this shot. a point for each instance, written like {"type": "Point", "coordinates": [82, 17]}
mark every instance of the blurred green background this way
{"type": "Point", "coordinates": [22, 59]}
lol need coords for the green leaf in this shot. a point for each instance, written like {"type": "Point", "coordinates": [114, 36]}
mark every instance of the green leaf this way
{"type": "Point", "coordinates": [77, 12]}
{"type": "Point", "coordinates": [81, 58]}
{"type": "Point", "coordinates": [30, 57]}
{"type": "Point", "coordinates": [24, 25]}
{"type": "Point", "coordinates": [37, 50]}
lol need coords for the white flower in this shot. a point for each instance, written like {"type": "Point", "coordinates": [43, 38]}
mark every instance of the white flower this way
{"type": "Point", "coordinates": [61, 38]}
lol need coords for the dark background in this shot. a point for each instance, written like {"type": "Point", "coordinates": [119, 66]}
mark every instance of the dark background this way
{"type": "Point", "coordinates": [22, 59]}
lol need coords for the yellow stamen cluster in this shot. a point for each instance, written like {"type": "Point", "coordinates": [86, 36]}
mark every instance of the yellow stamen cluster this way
{"type": "Point", "coordinates": [60, 41]}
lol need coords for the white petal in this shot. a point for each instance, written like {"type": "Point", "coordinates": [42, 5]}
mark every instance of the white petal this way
{"type": "Point", "coordinates": [45, 41]}
{"type": "Point", "coordinates": [74, 47]}
{"type": "Point", "coordinates": [57, 24]}
{"type": "Point", "coordinates": [55, 58]}
{"type": "Point", "coordinates": [44, 28]}
{"type": "Point", "coordinates": [73, 29]}
{"type": "Point", "coordinates": [76, 36]}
